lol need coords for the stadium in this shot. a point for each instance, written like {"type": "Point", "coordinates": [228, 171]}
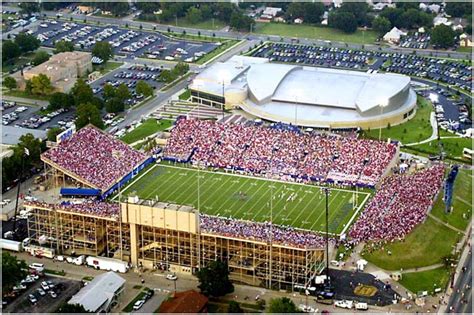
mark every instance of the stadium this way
{"type": "Point", "coordinates": [306, 96]}
{"type": "Point", "coordinates": [251, 194]}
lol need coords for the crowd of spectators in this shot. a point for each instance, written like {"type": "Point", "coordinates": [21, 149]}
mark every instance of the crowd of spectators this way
{"type": "Point", "coordinates": [259, 150]}
{"type": "Point", "coordinates": [96, 157]}
{"type": "Point", "coordinates": [90, 207]}
{"type": "Point", "coordinates": [263, 232]}
{"type": "Point", "coordinates": [401, 203]}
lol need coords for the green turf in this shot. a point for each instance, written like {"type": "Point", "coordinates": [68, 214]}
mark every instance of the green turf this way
{"type": "Point", "coordinates": [416, 129]}
{"type": "Point", "coordinates": [462, 202]}
{"type": "Point", "coordinates": [185, 95]}
{"type": "Point", "coordinates": [205, 25]}
{"type": "Point", "coordinates": [148, 127]}
{"type": "Point", "coordinates": [426, 245]}
{"type": "Point", "coordinates": [24, 94]}
{"type": "Point", "coordinates": [248, 198]}
{"type": "Point", "coordinates": [316, 32]}
{"type": "Point", "coordinates": [464, 49]}
{"type": "Point", "coordinates": [219, 49]}
{"type": "Point", "coordinates": [425, 280]}
{"type": "Point", "coordinates": [452, 147]}
{"type": "Point", "coordinates": [109, 66]}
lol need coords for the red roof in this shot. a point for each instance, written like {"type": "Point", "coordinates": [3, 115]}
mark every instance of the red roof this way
{"type": "Point", "coordinates": [185, 302]}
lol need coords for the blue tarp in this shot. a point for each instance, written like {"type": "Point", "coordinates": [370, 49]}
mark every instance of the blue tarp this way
{"type": "Point", "coordinates": [79, 192]}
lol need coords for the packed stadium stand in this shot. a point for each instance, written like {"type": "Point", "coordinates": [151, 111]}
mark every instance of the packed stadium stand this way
{"type": "Point", "coordinates": [282, 151]}
{"type": "Point", "coordinates": [96, 159]}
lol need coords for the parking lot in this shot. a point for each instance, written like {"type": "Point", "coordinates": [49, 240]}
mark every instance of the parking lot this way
{"type": "Point", "coordinates": [416, 40]}
{"type": "Point", "coordinates": [133, 43]}
{"type": "Point", "coordinates": [443, 70]}
{"type": "Point", "coordinates": [26, 116]}
{"type": "Point", "coordinates": [36, 299]}
{"type": "Point", "coordinates": [130, 76]}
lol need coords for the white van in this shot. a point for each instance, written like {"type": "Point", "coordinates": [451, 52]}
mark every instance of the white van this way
{"type": "Point", "coordinates": [361, 306]}
{"type": "Point", "coordinates": [36, 266]}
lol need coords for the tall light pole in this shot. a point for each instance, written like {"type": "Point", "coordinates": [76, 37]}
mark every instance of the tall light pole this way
{"type": "Point", "coordinates": [223, 97]}
{"type": "Point", "coordinates": [326, 193]}
{"type": "Point", "coordinates": [382, 104]}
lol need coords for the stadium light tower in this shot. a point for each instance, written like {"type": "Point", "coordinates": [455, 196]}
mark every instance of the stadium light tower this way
{"type": "Point", "coordinates": [223, 76]}
{"type": "Point", "coordinates": [383, 103]}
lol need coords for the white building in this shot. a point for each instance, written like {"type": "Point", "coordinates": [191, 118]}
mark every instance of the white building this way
{"type": "Point", "coordinates": [101, 294]}
{"type": "Point", "coordinates": [393, 36]}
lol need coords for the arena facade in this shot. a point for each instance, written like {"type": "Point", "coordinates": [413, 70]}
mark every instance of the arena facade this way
{"type": "Point", "coordinates": [158, 235]}
{"type": "Point", "coordinates": [306, 96]}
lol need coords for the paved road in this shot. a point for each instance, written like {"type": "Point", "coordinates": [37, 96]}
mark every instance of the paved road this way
{"type": "Point", "coordinates": [461, 299]}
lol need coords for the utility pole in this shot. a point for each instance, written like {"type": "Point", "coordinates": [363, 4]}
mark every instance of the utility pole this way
{"type": "Point", "coordinates": [326, 190]}
{"type": "Point", "coordinates": [18, 190]}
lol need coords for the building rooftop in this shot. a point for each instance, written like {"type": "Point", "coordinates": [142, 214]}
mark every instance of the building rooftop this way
{"type": "Point", "coordinates": [99, 291]}
{"type": "Point", "coordinates": [65, 59]}
{"type": "Point", "coordinates": [185, 302]}
{"type": "Point", "coordinates": [11, 135]}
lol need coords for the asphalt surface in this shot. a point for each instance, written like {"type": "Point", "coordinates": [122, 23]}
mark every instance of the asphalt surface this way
{"type": "Point", "coordinates": [461, 299]}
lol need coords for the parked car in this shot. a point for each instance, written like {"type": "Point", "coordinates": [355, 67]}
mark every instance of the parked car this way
{"type": "Point", "coordinates": [171, 277]}
{"type": "Point", "coordinates": [138, 304]}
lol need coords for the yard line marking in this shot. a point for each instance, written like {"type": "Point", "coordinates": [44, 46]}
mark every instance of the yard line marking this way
{"type": "Point", "coordinates": [348, 224]}
{"type": "Point", "coordinates": [135, 180]}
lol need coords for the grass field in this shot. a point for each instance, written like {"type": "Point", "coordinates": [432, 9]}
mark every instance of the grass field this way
{"type": "Point", "coordinates": [109, 66]}
{"type": "Point", "coordinates": [425, 280]}
{"type": "Point", "coordinates": [148, 127]}
{"type": "Point", "coordinates": [462, 202]}
{"type": "Point", "coordinates": [204, 25]}
{"type": "Point", "coordinates": [220, 49]}
{"type": "Point", "coordinates": [248, 198]}
{"type": "Point", "coordinates": [453, 147]}
{"type": "Point", "coordinates": [316, 32]}
{"type": "Point", "coordinates": [416, 129]}
{"type": "Point", "coordinates": [426, 245]}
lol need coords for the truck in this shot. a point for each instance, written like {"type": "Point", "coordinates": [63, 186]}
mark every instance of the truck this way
{"type": "Point", "coordinates": [40, 251]}
{"type": "Point", "coordinates": [105, 263]}
{"type": "Point", "coordinates": [11, 245]}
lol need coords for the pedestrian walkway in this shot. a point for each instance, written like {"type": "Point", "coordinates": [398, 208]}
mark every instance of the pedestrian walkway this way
{"type": "Point", "coordinates": [434, 134]}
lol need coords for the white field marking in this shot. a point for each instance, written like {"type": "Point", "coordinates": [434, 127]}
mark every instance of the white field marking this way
{"type": "Point", "coordinates": [273, 205]}
{"type": "Point", "coordinates": [135, 180]}
{"type": "Point", "coordinates": [302, 210]}
{"type": "Point", "coordinates": [226, 190]}
{"type": "Point", "coordinates": [256, 202]}
{"type": "Point", "coordinates": [323, 212]}
{"type": "Point", "coordinates": [264, 179]}
{"type": "Point", "coordinates": [164, 191]}
{"type": "Point", "coordinates": [348, 224]}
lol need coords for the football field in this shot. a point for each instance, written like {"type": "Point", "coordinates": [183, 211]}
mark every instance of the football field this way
{"type": "Point", "coordinates": [249, 198]}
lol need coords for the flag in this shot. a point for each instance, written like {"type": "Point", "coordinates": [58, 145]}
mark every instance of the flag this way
{"type": "Point", "coordinates": [27, 152]}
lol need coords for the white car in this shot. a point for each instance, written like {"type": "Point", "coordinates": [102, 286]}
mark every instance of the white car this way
{"type": "Point", "coordinates": [344, 304]}
{"type": "Point", "coordinates": [361, 306]}
{"type": "Point", "coordinates": [171, 277]}
{"type": "Point", "coordinates": [138, 304]}
{"type": "Point", "coordinates": [307, 309]}
{"type": "Point", "coordinates": [41, 292]}
{"type": "Point", "coordinates": [53, 294]}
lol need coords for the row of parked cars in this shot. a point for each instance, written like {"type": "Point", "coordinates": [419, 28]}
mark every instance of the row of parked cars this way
{"type": "Point", "coordinates": [416, 40]}
{"type": "Point", "coordinates": [138, 304]}
{"type": "Point", "coordinates": [144, 42]}
{"type": "Point", "coordinates": [55, 35]}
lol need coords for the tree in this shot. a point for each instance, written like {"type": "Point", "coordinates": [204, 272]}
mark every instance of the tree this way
{"type": "Point", "coordinates": [381, 25]}
{"type": "Point", "coordinates": [53, 132]}
{"type": "Point", "coordinates": [40, 57]}
{"type": "Point", "coordinates": [10, 50]}
{"type": "Point", "coordinates": [392, 14]}
{"type": "Point", "coordinates": [358, 9]}
{"type": "Point", "coordinates": [234, 307]}
{"type": "Point", "coordinates": [122, 92]}
{"type": "Point", "coordinates": [27, 42]}
{"type": "Point", "coordinates": [86, 114]}
{"type": "Point", "coordinates": [313, 12]}
{"type": "Point", "coordinates": [144, 88]}
{"type": "Point", "coordinates": [82, 92]}
{"type": "Point", "coordinates": [109, 91]}
{"type": "Point", "coordinates": [13, 271]}
{"type": "Point", "coordinates": [63, 46]}
{"type": "Point", "coordinates": [443, 36]}
{"type": "Point", "coordinates": [194, 15]}
{"type": "Point", "coordinates": [114, 105]}
{"type": "Point", "coordinates": [282, 305]}
{"type": "Point", "coordinates": [71, 308]}
{"type": "Point", "coordinates": [41, 85]}
{"type": "Point", "coordinates": [103, 50]}
{"type": "Point", "coordinates": [9, 83]}
{"type": "Point", "coordinates": [214, 279]}
{"type": "Point", "coordinates": [60, 100]}
{"type": "Point", "coordinates": [458, 9]}
{"type": "Point", "coordinates": [29, 7]}
{"type": "Point", "coordinates": [34, 145]}
{"type": "Point", "coordinates": [344, 21]}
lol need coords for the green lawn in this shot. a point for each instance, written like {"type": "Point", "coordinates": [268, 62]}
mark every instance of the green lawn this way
{"type": "Point", "coordinates": [426, 245]}
{"type": "Point", "coordinates": [148, 127]}
{"type": "Point", "coordinates": [462, 202]}
{"type": "Point", "coordinates": [185, 95]}
{"type": "Point", "coordinates": [23, 94]}
{"type": "Point", "coordinates": [416, 129]}
{"type": "Point", "coordinates": [425, 280]}
{"type": "Point", "coordinates": [452, 147]}
{"type": "Point", "coordinates": [247, 198]}
{"type": "Point", "coordinates": [129, 307]}
{"type": "Point", "coordinates": [464, 49]}
{"type": "Point", "coordinates": [219, 49]}
{"type": "Point", "coordinates": [205, 25]}
{"type": "Point", "coordinates": [16, 64]}
{"type": "Point", "coordinates": [109, 66]}
{"type": "Point", "coordinates": [316, 32]}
